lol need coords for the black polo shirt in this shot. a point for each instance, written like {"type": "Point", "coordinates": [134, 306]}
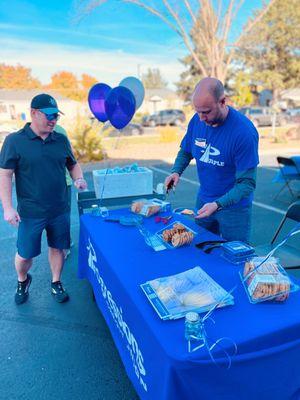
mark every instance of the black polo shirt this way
{"type": "Point", "coordinates": [39, 167]}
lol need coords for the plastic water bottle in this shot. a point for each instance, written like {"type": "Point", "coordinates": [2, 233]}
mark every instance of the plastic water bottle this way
{"type": "Point", "coordinates": [193, 326]}
{"type": "Point", "coordinates": [103, 212]}
{"type": "Point", "coordinates": [95, 212]}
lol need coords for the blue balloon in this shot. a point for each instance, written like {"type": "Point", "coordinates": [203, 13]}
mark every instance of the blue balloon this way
{"type": "Point", "coordinates": [136, 87]}
{"type": "Point", "coordinates": [97, 95]}
{"type": "Point", "coordinates": [120, 106]}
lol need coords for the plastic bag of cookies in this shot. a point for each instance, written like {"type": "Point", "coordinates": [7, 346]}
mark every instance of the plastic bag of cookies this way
{"type": "Point", "coordinates": [177, 234]}
{"type": "Point", "coordinates": [149, 207]}
{"type": "Point", "coordinates": [268, 282]}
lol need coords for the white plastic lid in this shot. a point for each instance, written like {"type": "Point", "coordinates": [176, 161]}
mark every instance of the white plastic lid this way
{"type": "Point", "coordinates": [192, 316]}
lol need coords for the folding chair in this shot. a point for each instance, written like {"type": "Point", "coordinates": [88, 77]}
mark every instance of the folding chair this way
{"type": "Point", "coordinates": [289, 172]}
{"type": "Point", "coordinates": [289, 256]}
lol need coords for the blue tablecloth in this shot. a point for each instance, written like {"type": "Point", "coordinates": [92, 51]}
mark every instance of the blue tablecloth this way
{"type": "Point", "coordinates": [290, 172]}
{"type": "Point", "coordinates": [116, 261]}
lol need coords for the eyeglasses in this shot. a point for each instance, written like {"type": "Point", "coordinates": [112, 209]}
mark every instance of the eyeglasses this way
{"type": "Point", "coordinates": [51, 117]}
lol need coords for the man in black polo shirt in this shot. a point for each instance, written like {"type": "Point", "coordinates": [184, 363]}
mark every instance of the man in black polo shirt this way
{"type": "Point", "coordinates": [38, 156]}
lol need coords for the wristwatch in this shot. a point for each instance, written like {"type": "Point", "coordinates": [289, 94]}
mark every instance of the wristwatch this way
{"type": "Point", "coordinates": [219, 205]}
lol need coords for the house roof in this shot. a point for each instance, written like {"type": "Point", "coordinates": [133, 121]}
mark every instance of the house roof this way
{"type": "Point", "coordinates": [28, 94]}
{"type": "Point", "coordinates": [163, 93]}
{"type": "Point", "coordinates": [292, 94]}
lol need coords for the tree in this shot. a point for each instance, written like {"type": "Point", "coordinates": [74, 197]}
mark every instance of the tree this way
{"type": "Point", "coordinates": [65, 83]}
{"type": "Point", "coordinates": [241, 87]}
{"type": "Point", "coordinates": [188, 78]}
{"type": "Point", "coordinates": [87, 82]}
{"type": "Point", "coordinates": [68, 85]}
{"type": "Point", "coordinates": [271, 50]}
{"type": "Point", "coordinates": [153, 79]}
{"type": "Point", "coordinates": [86, 141]}
{"type": "Point", "coordinates": [17, 77]}
{"type": "Point", "coordinates": [203, 25]}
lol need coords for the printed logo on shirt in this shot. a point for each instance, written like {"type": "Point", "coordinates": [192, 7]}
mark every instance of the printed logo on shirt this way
{"type": "Point", "coordinates": [200, 142]}
{"type": "Point", "coordinates": [211, 151]}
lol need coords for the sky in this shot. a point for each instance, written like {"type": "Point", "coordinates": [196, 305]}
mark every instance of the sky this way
{"type": "Point", "coordinates": [113, 41]}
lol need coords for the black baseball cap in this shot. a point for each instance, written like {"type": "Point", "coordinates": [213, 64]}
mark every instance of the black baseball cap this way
{"type": "Point", "coordinates": [45, 103]}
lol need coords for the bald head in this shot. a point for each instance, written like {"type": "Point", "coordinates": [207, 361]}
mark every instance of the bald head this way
{"type": "Point", "coordinates": [209, 87]}
{"type": "Point", "coordinates": [209, 101]}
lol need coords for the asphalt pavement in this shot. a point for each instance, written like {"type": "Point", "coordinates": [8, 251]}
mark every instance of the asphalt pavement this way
{"type": "Point", "coordinates": [65, 351]}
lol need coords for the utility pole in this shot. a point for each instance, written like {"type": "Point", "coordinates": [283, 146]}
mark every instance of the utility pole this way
{"type": "Point", "coordinates": [139, 70]}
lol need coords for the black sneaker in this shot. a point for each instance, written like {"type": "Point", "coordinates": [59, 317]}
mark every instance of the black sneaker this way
{"type": "Point", "coordinates": [58, 292]}
{"type": "Point", "coordinates": [22, 291]}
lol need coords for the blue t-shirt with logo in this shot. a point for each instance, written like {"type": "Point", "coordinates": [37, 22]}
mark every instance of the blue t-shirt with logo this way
{"type": "Point", "coordinates": [220, 152]}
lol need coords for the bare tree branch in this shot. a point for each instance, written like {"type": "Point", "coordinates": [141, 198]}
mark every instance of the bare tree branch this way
{"type": "Point", "coordinates": [250, 25]}
{"type": "Point", "coordinates": [253, 22]}
{"type": "Point", "coordinates": [219, 10]}
{"type": "Point", "coordinates": [154, 11]}
{"type": "Point", "coordinates": [189, 8]}
{"type": "Point", "coordinates": [204, 28]}
{"type": "Point", "coordinates": [185, 36]}
{"type": "Point", "coordinates": [237, 8]}
{"type": "Point", "coordinates": [227, 21]}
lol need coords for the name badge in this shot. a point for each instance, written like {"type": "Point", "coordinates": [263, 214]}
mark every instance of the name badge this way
{"type": "Point", "coordinates": [200, 142]}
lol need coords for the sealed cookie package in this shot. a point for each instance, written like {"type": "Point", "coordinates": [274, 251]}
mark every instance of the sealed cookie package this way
{"type": "Point", "coordinates": [177, 234]}
{"type": "Point", "coordinates": [149, 207]}
{"type": "Point", "coordinates": [269, 282]}
{"type": "Point", "coordinates": [192, 290]}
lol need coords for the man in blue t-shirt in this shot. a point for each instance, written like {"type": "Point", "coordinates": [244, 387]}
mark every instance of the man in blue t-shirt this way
{"type": "Point", "coordinates": [224, 144]}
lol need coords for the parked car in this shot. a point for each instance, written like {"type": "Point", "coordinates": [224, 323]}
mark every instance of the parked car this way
{"type": "Point", "coordinates": [129, 130]}
{"type": "Point", "coordinates": [263, 116]}
{"type": "Point", "coordinates": [293, 115]}
{"type": "Point", "coordinates": [165, 117]}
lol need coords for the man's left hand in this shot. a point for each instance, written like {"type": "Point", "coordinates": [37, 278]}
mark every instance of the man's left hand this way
{"type": "Point", "coordinates": [80, 184]}
{"type": "Point", "coordinates": [207, 210]}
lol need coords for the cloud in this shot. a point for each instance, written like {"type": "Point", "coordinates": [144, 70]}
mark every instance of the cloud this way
{"type": "Point", "coordinates": [76, 33]}
{"type": "Point", "coordinates": [109, 66]}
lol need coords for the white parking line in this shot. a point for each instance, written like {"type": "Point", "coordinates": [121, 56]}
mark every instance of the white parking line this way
{"type": "Point", "coordinates": [256, 203]}
{"type": "Point", "coordinates": [270, 208]}
{"type": "Point", "coordinates": [168, 173]}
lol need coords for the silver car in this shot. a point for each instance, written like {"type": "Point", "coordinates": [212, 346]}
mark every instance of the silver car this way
{"type": "Point", "coordinates": [263, 116]}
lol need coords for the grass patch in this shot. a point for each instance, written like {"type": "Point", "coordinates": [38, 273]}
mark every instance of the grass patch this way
{"type": "Point", "coordinates": [168, 134]}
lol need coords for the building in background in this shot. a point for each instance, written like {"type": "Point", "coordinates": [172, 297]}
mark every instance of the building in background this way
{"type": "Point", "coordinates": [15, 104]}
{"type": "Point", "coordinates": [160, 99]}
{"type": "Point", "coordinates": [288, 98]}
{"type": "Point", "coordinates": [291, 97]}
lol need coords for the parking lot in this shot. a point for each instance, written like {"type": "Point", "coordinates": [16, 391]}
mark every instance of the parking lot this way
{"type": "Point", "coordinates": [51, 350]}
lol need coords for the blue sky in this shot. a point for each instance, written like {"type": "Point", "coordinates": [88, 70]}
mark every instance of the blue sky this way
{"type": "Point", "coordinates": [110, 43]}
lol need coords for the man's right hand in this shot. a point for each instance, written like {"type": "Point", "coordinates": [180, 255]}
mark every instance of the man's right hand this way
{"type": "Point", "coordinates": [11, 216]}
{"type": "Point", "coordinates": [171, 181]}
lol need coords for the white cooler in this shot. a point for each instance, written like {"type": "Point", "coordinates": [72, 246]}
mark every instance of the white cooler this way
{"type": "Point", "coordinates": [123, 184]}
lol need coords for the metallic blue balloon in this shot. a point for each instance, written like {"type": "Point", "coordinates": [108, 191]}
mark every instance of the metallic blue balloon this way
{"type": "Point", "coordinates": [136, 87]}
{"type": "Point", "coordinates": [120, 106]}
{"type": "Point", "coordinates": [97, 95]}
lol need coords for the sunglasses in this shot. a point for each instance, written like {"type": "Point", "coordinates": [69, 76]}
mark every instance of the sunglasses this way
{"type": "Point", "coordinates": [51, 117]}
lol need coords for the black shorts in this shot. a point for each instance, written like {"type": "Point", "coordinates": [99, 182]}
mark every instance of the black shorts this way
{"type": "Point", "coordinates": [30, 234]}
